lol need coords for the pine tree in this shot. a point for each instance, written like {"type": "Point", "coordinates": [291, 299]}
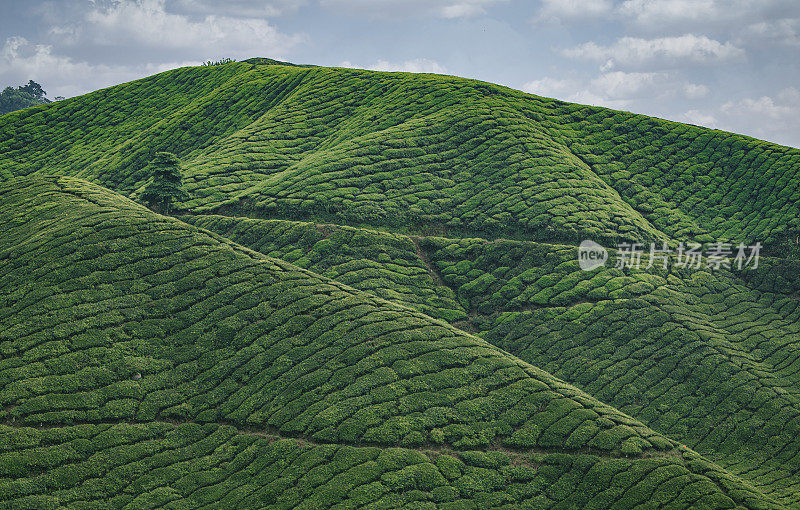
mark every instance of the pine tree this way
{"type": "Point", "coordinates": [166, 187]}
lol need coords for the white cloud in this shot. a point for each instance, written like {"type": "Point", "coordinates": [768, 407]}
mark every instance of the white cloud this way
{"type": "Point", "coordinates": [613, 90]}
{"type": "Point", "coordinates": [418, 65]}
{"type": "Point", "coordinates": [572, 10]}
{"type": "Point", "coordinates": [147, 23]}
{"type": "Point", "coordinates": [462, 10]}
{"type": "Point", "coordinates": [573, 90]}
{"type": "Point", "coordinates": [746, 22]}
{"type": "Point", "coordinates": [784, 32]}
{"type": "Point", "coordinates": [655, 12]}
{"type": "Point", "coordinates": [242, 8]}
{"type": "Point", "coordinates": [448, 9]}
{"type": "Point", "coordinates": [21, 60]}
{"type": "Point", "coordinates": [694, 91]}
{"type": "Point", "coordinates": [592, 98]}
{"type": "Point", "coordinates": [550, 87]}
{"type": "Point", "coordinates": [699, 118]}
{"type": "Point", "coordinates": [775, 118]}
{"type": "Point", "coordinates": [67, 35]}
{"type": "Point", "coordinates": [732, 15]}
{"type": "Point", "coordinates": [634, 52]}
{"type": "Point", "coordinates": [784, 106]}
{"type": "Point", "coordinates": [620, 85]}
{"type": "Point", "coordinates": [617, 89]}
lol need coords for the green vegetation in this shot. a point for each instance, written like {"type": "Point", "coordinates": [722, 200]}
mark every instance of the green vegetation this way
{"type": "Point", "coordinates": [219, 62]}
{"type": "Point", "coordinates": [706, 357]}
{"type": "Point", "coordinates": [683, 350]}
{"type": "Point", "coordinates": [308, 355]}
{"type": "Point", "coordinates": [165, 188]}
{"type": "Point", "coordinates": [189, 465]}
{"type": "Point", "coordinates": [384, 264]}
{"type": "Point", "coordinates": [370, 298]}
{"type": "Point", "coordinates": [12, 99]}
{"type": "Point", "coordinates": [161, 321]}
{"type": "Point", "coordinates": [425, 153]}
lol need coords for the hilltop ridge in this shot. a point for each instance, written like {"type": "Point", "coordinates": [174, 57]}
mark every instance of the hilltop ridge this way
{"type": "Point", "coordinates": [429, 153]}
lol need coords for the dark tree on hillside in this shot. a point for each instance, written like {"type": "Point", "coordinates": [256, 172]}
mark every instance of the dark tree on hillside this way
{"type": "Point", "coordinates": [34, 89]}
{"type": "Point", "coordinates": [219, 62]}
{"type": "Point", "coordinates": [12, 99]}
{"type": "Point", "coordinates": [166, 186]}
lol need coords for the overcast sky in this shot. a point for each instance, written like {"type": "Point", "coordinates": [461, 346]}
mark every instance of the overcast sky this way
{"type": "Point", "coordinates": [729, 64]}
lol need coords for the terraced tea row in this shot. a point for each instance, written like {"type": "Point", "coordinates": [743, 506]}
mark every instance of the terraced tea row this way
{"type": "Point", "coordinates": [704, 356]}
{"type": "Point", "coordinates": [384, 264]}
{"type": "Point", "coordinates": [430, 154]}
{"type": "Point", "coordinates": [220, 333]}
{"type": "Point", "coordinates": [192, 465]}
{"type": "Point", "coordinates": [708, 357]}
{"type": "Point", "coordinates": [113, 314]}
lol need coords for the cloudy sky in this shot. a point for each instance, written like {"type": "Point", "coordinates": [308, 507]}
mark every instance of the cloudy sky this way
{"type": "Point", "coordinates": [729, 64]}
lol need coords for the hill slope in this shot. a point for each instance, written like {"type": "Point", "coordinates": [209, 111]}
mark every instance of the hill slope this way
{"type": "Point", "coordinates": [372, 299]}
{"type": "Point", "coordinates": [437, 153]}
{"type": "Point", "coordinates": [708, 357]}
{"type": "Point", "coordinates": [198, 360]}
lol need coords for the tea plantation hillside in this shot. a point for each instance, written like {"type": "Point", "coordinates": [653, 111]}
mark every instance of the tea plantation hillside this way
{"type": "Point", "coordinates": [145, 362]}
{"type": "Point", "coordinates": [709, 357]}
{"type": "Point", "coordinates": [372, 298]}
{"type": "Point", "coordinates": [385, 264]}
{"type": "Point", "coordinates": [423, 153]}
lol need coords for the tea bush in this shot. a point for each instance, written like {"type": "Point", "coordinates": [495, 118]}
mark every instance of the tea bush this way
{"type": "Point", "coordinates": [424, 153]}
{"type": "Point", "coordinates": [161, 364]}
{"type": "Point", "coordinates": [297, 337]}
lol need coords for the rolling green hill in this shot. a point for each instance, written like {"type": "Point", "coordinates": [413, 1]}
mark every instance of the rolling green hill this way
{"type": "Point", "coordinates": [707, 356]}
{"type": "Point", "coordinates": [421, 152]}
{"type": "Point", "coordinates": [372, 299]}
{"type": "Point", "coordinates": [215, 372]}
